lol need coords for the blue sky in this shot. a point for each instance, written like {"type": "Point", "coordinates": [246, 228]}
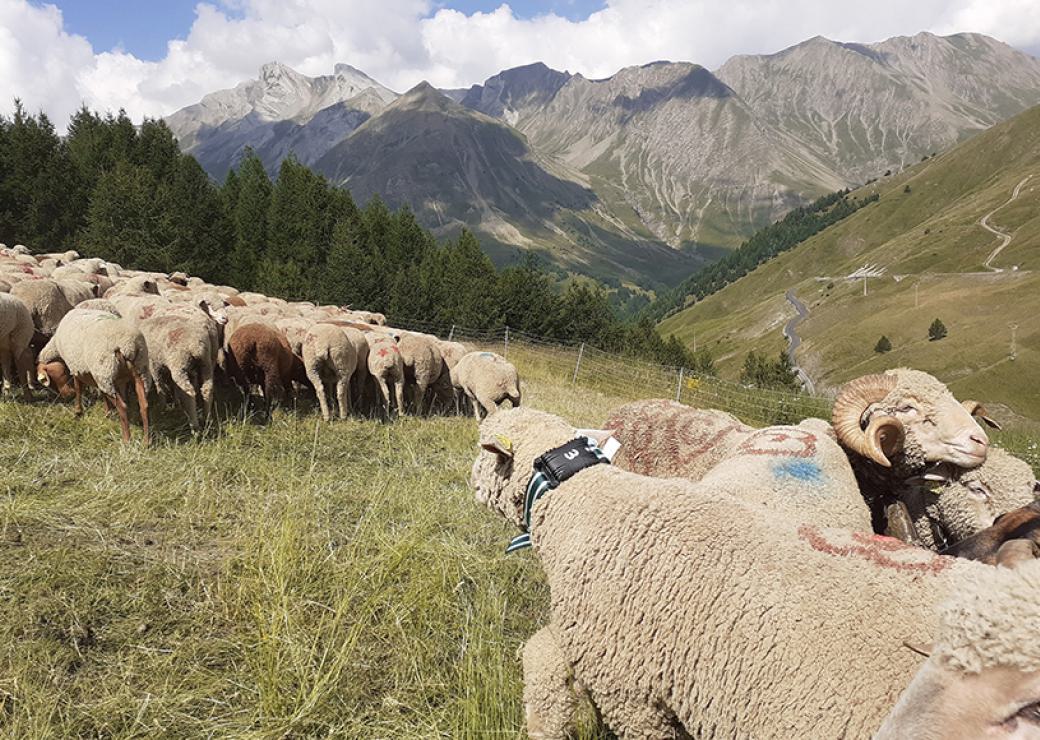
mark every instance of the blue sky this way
{"type": "Point", "coordinates": [144, 30]}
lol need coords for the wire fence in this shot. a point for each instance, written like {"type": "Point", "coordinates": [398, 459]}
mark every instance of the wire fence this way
{"type": "Point", "coordinates": [629, 378]}
{"type": "Point", "coordinates": [584, 365]}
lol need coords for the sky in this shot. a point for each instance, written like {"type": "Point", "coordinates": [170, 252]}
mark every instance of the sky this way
{"type": "Point", "coordinates": [156, 56]}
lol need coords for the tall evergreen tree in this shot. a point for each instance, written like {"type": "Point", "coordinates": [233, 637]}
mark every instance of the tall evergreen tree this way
{"type": "Point", "coordinates": [249, 220]}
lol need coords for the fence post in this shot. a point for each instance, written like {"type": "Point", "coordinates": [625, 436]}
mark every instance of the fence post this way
{"type": "Point", "coordinates": [678, 386]}
{"type": "Point", "coordinates": [581, 351]}
{"type": "Point", "coordinates": [505, 352]}
{"type": "Point", "coordinates": [451, 334]}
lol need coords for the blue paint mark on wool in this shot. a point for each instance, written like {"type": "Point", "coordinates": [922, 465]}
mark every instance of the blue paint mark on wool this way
{"type": "Point", "coordinates": [805, 471]}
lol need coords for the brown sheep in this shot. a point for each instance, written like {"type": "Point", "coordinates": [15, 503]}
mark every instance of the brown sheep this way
{"type": "Point", "coordinates": [260, 355]}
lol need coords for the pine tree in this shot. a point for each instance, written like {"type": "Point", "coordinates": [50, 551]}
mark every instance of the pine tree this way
{"type": "Point", "coordinates": [936, 331]}
{"type": "Point", "coordinates": [119, 218]}
{"type": "Point", "coordinates": [249, 214]}
{"type": "Point", "coordinates": [883, 345]}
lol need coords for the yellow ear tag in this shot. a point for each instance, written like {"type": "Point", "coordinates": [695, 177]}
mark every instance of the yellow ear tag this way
{"type": "Point", "coordinates": [505, 442]}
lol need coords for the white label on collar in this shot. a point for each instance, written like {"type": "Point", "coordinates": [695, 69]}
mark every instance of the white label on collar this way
{"type": "Point", "coordinates": [609, 448]}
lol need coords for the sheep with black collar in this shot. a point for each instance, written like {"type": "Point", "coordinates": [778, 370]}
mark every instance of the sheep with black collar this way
{"type": "Point", "coordinates": [683, 608]}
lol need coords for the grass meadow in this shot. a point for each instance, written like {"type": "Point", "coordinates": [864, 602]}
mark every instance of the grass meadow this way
{"type": "Point", "coordinates": [293, 580]}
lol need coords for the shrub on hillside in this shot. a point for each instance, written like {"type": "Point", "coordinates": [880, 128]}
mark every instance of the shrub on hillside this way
{"type": "Point", "coordinates": [883, 345]}
{"type": "Point", "coordinates": [936, 331]}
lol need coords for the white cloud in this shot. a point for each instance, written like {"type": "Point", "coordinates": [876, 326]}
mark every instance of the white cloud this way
{"type": "Point", "coordinates": [401, 42]}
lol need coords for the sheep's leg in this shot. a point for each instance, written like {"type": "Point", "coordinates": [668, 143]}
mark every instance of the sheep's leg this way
{"type": "Point", "coordinates": [77, 386]}
{"type": "Point", "coordinates": [142, 404]}
{"type": "Point", "coordinates": [343, 397]}
{"type": "Point", "coordinates": [7, 369]}
{"type": "Point", "coordinates": [488, 403]}
{"type": "Point", "coordinates": [399, 395]}
{"type": "Point", "coordinates": [124, 421]}
{"type": "Point", "coordinates": [385, 392]}
{"type": "Point", "coordinates": [25, 374]}
{"type": "Point", "coordinates": [206, 391]}
{"type": "Point", "coordinates": [321, 392]}
{"type": "Point", "coordinates": [185, 391]}
{"type": "Point", "coordinates": [549, 699]}
{"type": "Point", "coordinates": [476, 408]}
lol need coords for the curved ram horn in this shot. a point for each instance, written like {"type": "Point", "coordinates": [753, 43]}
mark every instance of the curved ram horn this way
{"type": "Point", "coordinates": [852, 402]}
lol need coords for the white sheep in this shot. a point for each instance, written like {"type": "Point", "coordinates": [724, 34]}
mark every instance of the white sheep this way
{"type": "Point", "coordinates": [330, 359]}
{"type": "Point", "coordinates": [487, 379]}
{"type": "Point", "coordinates": [683, 609]}
{"type": "Point", "coordinates": [98, 348]}
{"type": "Point", "coordinates": [386, 369]}
{"type": "Point", "coordinates": [948, 504]}
{"type": "Point", "coordinates": [182, 352]}
{"type": "Point", "coordinates": [16, 333]}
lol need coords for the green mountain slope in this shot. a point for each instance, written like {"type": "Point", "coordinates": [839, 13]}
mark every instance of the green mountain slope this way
{"type": "Point", "coordinates": [925, 234]}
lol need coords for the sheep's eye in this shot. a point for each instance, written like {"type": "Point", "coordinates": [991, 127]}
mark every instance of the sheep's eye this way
{"type": "Point", "coordinates": [1030, 713]}
{"type": "Point", "coordinates": [929, 422]}
{"type": "Point", "coordinates": [979, 490]}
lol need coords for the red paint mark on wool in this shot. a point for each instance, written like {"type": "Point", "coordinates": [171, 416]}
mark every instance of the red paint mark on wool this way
{"type": "Point", "coordinates": [884, 552]}
{"type": "Point", "coordinates": [669, 437]}
{"type": "Point", "coordinates": [779, 443]}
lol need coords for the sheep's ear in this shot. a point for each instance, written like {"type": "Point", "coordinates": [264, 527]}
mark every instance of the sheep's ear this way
{"type": "Point", "coordinates": [979, 411]}
{"type": "Point", "coordinates": [500, 444]}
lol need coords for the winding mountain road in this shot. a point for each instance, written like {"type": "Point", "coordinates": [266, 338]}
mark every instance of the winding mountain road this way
{"type": "Point", "coordinates": [794, 341]}
{"type": "Point", "coordinates": [1005, 237]}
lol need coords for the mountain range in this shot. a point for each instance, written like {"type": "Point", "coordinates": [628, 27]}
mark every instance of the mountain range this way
{"type": "Point", "coordinates": [640, 177]}
{"type": "Point", "coordinates": [955, 238]}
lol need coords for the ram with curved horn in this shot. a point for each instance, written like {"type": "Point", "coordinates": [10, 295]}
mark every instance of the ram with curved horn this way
{"type": "Point", "coordinates": [893, 425]}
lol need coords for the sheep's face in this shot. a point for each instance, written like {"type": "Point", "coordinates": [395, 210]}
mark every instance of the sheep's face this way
{"type": "Point", "coordinates": [971, 500]}
{"type": "Point", "coordinates": [914, 411]}
{"type": "Point", "coordinates": [999, 702]}
{"type": "Point", "coordinates": [215, 308]}
{"type": "Point", "coordinates": [510, 441]}
{"type": "Point", "coordinates": [935, 423]}
{"type": "Point", "coordinates": [55, 376]}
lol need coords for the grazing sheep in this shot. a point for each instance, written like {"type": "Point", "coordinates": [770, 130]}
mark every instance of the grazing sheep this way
{"type": "Point", "coordinates": [100, 304]}
{"type": "Point", "coordinates": [330, 360]}
{"type": "Point", "coordinates": [103, 350]}
{"type": "Point", "coordinates": [682, 609]}
{"type": "Point", "coordinates": [948, 504]}
{"type": "Point", "coordinates": [138, 285]}
{"type": "Point", "coordinates": [16, 333]}
{"type": "Point", "coordinates": [295, 331]}
{"type": "Point", "coordinates": [487, 380]}
{"type": "Point", "coordinates": [386, 369]}
{"type": "Point", "coordinates": [422, 366]}
{"type": "Point", "coordinates": [259, 355]}
{"type": "Point", "coordinates": [46, 301]}
{"type": "Point", "coordinates": [182, 355]}
{"type": "Point", "coordinates": [868, 415]}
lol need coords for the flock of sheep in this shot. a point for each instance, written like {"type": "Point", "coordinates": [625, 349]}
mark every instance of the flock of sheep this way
{"type": "Point", "coordinates": [69, 323]}
{"type": "Point", "coordinates": [718, 580]}
{"type": "Point", "coordinates": [714, 580]}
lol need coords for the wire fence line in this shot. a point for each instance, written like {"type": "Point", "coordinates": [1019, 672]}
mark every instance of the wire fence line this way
{"type": "Point", "coordinates": [630, 378]}
{"type": "Point", "coordinates": [582, 364]}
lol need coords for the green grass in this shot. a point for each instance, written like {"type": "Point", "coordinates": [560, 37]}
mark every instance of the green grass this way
{"type": "Point", "coordinates": [301, 579]}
